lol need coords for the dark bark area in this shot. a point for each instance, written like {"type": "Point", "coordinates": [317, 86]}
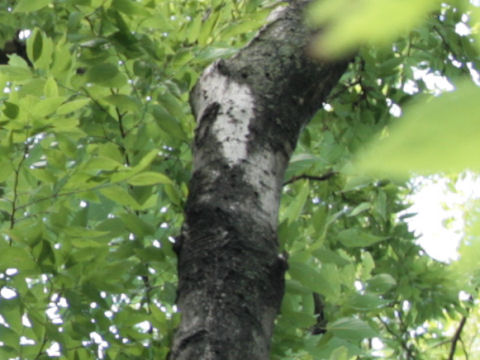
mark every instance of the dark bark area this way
{"type": "Point", "coordinates": [250, 110]}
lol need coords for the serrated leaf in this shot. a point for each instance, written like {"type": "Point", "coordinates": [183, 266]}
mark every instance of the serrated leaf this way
{"type": "Point", "coordinates": [15, 73]}
{"type": "Point", "coordinates": [167, 122]}
{"type": "Point", "coordinates": [87, 243]}
{"type": "Point", "coordinates": [360, 208]}
{"type": "Point", "coordinates": [150, 254]}
{"type": "Point", "coordinates": [47, 106]}
{"type": "Point", "coordinates": [381, 283]}
{"type": "Point", "coordinates": [146, 161]}
{"type": "Point", "coordinates": [358, 238]}
{"type": "Point", "coordinates": [123, 102]}
{"type": "Point", "coordinates": [173, 194]}
{"type": "Point", "coordinates": [14, 257]}
{"type": "Point", "coordinates": [366, 302]}
{"type": "Point", "coordinates": [72, 106]}
{"type": "Point", "coordinates": [351, 329]}
{"type": "Point", "coordinates": [136, 225]}
{"type": "Point", "coordinates": [294, 209]}
{"type": "Point", "coordinates": [129, 7]}
{"type": "Point", "coordinates": [298, 318]}
{"type": "Point", "coordinates": [310, 278]}
{"type": "Point", "coordinates": [149, 178]}
{"type": "Point", "coordinates": [120, 196]}
{"type": "Point", "coordinates": [11, 310]}
{"type": "Point", "coordinates": [295, 287]}
{"type": "Point", "coordinates": [31, 5]}
{"type": "Point", "coordinates": [9, 337]}
{"type": "Point", "coordinates": [51, 88]}
{"type": "Point", "coordinates": [35, 45]}
{"type": "Point", "coordinates": [105, 74]}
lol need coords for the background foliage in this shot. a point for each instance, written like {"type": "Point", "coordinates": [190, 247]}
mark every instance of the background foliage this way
{"type": "Point", "coordinates": [95, 133]}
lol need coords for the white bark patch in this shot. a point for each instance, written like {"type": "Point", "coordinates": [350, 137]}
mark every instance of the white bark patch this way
{"type": "Point", "coordinates": [276, 13]}
{"type": "Point", "coordinates": [235, 112]}
{"type": "Point", "coordinates": [261, 175]}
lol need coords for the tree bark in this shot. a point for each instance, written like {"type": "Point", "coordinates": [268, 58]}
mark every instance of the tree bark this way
{"type": "Point", "coordinates": [250, 110]}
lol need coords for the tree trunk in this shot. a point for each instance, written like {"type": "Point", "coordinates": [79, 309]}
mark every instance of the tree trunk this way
{"type": "Point", "coordinates": [249, 111]}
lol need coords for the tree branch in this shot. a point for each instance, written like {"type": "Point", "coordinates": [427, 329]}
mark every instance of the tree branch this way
{"type": "Point", "coordinates": [456, 338]}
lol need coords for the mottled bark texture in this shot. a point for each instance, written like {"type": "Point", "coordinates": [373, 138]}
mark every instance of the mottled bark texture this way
{"type": "Point", "coordinates": [250, 110]}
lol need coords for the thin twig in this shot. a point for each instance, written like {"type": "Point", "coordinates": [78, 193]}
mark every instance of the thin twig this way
{"type": "Point", "coordinates": [456, 337]}
{"type": "Point", "coordinates": [15, 188]}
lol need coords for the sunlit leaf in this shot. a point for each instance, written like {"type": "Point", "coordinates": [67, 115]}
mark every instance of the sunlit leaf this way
{"type": "Point", "coordinates": [123, 102]}
{"type": "Point", "coordinates": [31, 5]}
{"type": "Point", "coordinates": [14, 257]}
{"type": "Point", "coordinates": [149, 178]}
{"type": "Point", "coordinates": [381, 283]}
{"type": "Point", "coordinates": [292, 212]}
{"type": "Point", "coordinates": [34, 45]}
{"type": "Point", "coordinates": [168, 123]}
{"type": "Point", "coordinates": [105, 74]}
{"type": "Point", "coordinates": [15, 73]}
{"type": "Point", "coordinates": [72, 106]}
{"type": "Point", "coordinates": [47, 106]}
{"type": "Point", "coordinates": [358, 238]}
{"type": "Point", "coordinates": [435, 136]}
{"type": "Point", "coordinates": [351, 23]}
{"type": "Point", "coordinates": [51, 88]}
{"type": "Point", "coordinates": [351, 328]}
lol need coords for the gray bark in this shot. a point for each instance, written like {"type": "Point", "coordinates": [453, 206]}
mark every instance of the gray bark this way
{"type": "Point", "coordinates": [250, 110]}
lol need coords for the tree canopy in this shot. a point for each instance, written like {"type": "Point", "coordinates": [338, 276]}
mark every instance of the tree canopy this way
{"type": "Point", "coordinates": [95, 159]}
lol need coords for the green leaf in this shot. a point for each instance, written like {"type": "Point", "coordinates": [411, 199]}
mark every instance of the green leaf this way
{"type": "Point", "coordinates": [168, 123]}
{"type": "Point", "coordinates": [105, 74]}
{"type": "Point", "coordinates": [47, 106]}
{"type": "Point", "coordinates": [366, 302]}
{"type": "Point", "coordinates": [9, 337]}
{"type": "Point", "coordinates": [149, 178]}
{"type": "Point", "coordinates": [136, 225]}
{"type": "Point", "coordinates": [360, 208]}
{"type": "Point", "coordinates": [72, 106]}
{"type": "Point", "coordinates": [123, 102]}
{"type": "Point", "coordinates": [351, 329]}
{"type": "Point", "coordinates": [101, 72]}
{"type": "Point", "coordinates": [173, 194]}
{"type": "Point", "coordinates": [15, 73]}
{"type": "Point", "coordinates": [358, 238]}
{"type": "Point", "coordinates": [14, 257]}
{"type": "Point", "coordinates": [40, 49]}
{"type": "Point", "coordinates": [35, 45]}
{"type": "Point", "coordinates": [340, 353]}
{"type": "Point", "coordinates": [146, 161]}
{"type": "Point", "coordinates": [51, 88]}
{"type": "Point", "coordinates": [381, 283]}
{"type": "Point", "coordinates": [294, 209]}
{"type": "Point", "coordinates": [120, 196]}
{"type": "Point", "coordinates": [30, 5]}
{"type": "Point", "coordinates": [312, 278]}
{"type": "Point", "coordinates": [129, 7]}
{"type": "Point", "coordinates": [11, 110]}
{"type": "Point", "coordinates": [12, 310]}
{"type": "Point", "coordinates": [435, 136]}
{"type": "Point", "coordinates": [351, 23]}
